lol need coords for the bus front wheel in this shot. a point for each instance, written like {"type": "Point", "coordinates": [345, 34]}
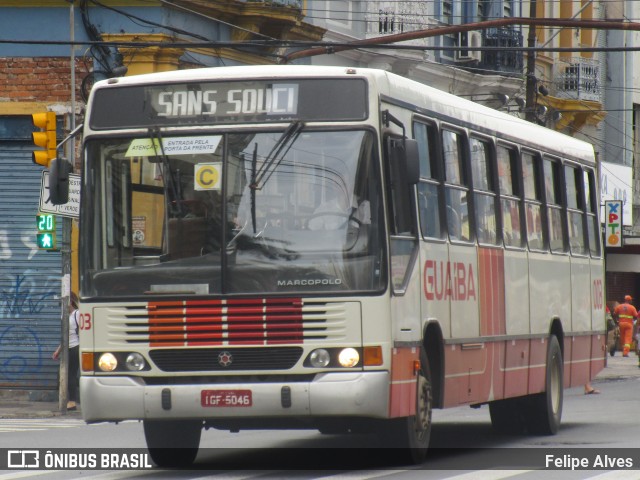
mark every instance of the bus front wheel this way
{"type": "Point", "coordinates": [173, 443]}
{"type": "Point", "coordinates": [410, 435]}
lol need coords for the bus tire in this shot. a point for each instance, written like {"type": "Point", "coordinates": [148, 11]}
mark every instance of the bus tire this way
{"type": "Point", "coordinates": [173, 443]}
{"type": "Point", "coordinates": [545, 409]}
{"type": "Point", "coordinates": [409, 436]}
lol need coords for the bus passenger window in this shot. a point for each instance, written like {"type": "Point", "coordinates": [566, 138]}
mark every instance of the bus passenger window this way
{"type": "Point", "coordinates": [575, 210]}
{"type": "Point", "coordinates": [455, 187]}
{"type": "Point", "coordinates": [533, 203]}
{"type": "Point", "coordinates": [593, 227]}
{"type": "Point", "coordinates": [429, 210]}
{"type": "Point", "coordinates": [552, 182]}
{"type": "Point", "coordinates": [428, 200]}
{"type": "Point", "coordinates": [484, 193]}
{"type": "Point", "coordinates": [510, 203]}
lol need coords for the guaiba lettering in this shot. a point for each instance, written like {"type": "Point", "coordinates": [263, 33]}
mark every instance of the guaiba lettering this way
{"type": "Point", "coordinates": [452, 281]}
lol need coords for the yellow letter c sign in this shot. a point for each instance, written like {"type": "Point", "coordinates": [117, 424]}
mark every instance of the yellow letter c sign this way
{"type": "Point", "coordinates": [207, 176]}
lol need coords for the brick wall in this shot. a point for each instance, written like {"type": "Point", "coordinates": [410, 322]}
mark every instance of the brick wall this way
{"type": "Point", "coordinates": [38, 79]}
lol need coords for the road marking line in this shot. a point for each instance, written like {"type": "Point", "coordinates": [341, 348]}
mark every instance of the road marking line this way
{"type": "Point", "coordinates": [488, 475]}
{"type": "Point", "coordinates": [616, 475]}
{"type": "Point", "coordinates": [26, 474]}
{"type": "Point", "coordinates": [363, 475]}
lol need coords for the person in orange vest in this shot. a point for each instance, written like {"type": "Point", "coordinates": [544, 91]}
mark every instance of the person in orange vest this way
{"type": "Point", "coordinates": [626, 314]}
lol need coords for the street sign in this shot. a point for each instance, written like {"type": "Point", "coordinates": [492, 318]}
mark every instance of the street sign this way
{"type": "Point", "coordinates": [69, 209]}
{"type": "Point", "coordinates": [613, 223]}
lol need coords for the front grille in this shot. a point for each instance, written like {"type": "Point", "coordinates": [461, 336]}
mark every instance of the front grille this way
{"type": "Point", "coordinates": [225, 360]}
{"type": "Point", "coordinates": [232, 322]}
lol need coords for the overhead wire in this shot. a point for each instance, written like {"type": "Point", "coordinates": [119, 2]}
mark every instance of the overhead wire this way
{"type": "Point", "coordinates": [99, 46]}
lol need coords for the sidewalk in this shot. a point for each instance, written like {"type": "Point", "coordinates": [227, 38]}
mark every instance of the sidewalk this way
{"type": "Point", "coordinates": [25, 404]}
{"type": "Point", "coordinates": [20, 404]}
{"type": "Point", "coordinates": [619, 367]}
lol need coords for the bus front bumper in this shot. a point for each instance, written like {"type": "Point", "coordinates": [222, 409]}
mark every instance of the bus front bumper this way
{"type": "Point", "coordinates": [361, 394]}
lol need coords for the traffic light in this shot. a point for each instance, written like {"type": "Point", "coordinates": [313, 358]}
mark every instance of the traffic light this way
{"type": "Point", "coordinates": [46, 236]}
{"type": "Point", "coordinates": [45, 138]}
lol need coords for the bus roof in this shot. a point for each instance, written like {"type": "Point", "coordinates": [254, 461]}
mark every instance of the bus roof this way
{"type": "Point", "coordinates": [415, 95]}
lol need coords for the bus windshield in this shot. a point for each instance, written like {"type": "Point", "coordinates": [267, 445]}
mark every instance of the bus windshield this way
{"type": "Point", "coordinates": [291, 211]}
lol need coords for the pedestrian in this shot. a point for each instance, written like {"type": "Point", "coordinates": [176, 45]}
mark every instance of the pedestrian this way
{"type": "Point", "coordinates": [590, 390]}
{"type": "Point", "coordinates": [626, 314]}
{"type": "Point", "coordinates": [73, 378]}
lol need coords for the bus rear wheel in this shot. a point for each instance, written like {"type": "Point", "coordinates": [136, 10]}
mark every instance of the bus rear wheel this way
{"type": "Point", "coordinates": [173, 443]}
{"type": "Point", "coordinates": [544, 410]}
{"type": "Point", "coordinates": [410, 436]}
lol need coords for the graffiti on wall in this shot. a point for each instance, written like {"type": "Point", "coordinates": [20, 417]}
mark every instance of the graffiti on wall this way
{"type": "Point", "coordinates": [24, 343]}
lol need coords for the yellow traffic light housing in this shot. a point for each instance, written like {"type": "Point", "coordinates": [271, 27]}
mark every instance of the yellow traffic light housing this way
{"type": "Point", "coordinates": [45, 138]}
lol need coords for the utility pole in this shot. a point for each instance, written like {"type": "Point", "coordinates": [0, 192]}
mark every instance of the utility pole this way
{"type": "Point", "coordinates": [530, 96]}
{"type": "Point", "coordinates": [65, 294]}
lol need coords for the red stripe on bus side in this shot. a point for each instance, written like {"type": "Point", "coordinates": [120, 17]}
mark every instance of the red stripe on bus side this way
{"type": "Point", "coordinates": [402, 395]}
{"type": "Point", "coordinates": [598, 354]}
{"type": "Point", "coordinates": [515, 368]}
{"type": "Point", "coordinates": [580, 355]}
{"type": "Point", "coordinates": [491, 287]}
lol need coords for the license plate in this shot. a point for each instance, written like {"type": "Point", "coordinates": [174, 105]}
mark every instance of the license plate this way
{"type": "Point", "coordinates": [226, 398]}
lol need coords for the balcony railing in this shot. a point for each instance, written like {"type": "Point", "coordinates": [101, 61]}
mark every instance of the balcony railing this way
{"type": "Point", "coordinates": [579, 79]}
{"type": "Point", "coordinates": [503, 59]}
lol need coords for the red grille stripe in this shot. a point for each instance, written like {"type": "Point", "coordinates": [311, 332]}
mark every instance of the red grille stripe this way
{"type": "Point", "coordinates": [251, 321]}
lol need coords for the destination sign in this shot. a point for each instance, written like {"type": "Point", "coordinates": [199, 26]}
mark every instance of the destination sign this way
{"type": "Point", "coordinates": [229, 102]}
{"type": "Point", "coordinates": [274, 100]}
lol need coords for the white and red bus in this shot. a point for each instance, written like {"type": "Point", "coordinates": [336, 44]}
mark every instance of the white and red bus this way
{"type": "Point", "coordinates": [334, 248]}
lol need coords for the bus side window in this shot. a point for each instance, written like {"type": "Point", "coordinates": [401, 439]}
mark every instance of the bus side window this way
{"type": "Point", "coordinates": [591, 207]}
{"type": "Point", "coordinates": [553, 193]}
{"type": "Point", "coordinates": [533, 201]}
{"type": "Point", "coordinates": [575, 210]}
{"type": "Point", "coordinates": [510, 205]}
{"type": "Point", "coordinates": [455, 187]}
{"type": "Point", "coordinates": [484, 192]}
{"type": "Point", "coordinates": [428, 200]}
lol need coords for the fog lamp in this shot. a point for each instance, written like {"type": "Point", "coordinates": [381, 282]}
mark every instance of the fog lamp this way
{"type": "Point", "coordinates": [319, 358]}
{"type": "Point", "coordinates": [135, 362]}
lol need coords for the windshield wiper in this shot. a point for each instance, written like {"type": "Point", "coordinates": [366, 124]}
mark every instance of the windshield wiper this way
{"type": "Point", "coordinates": [271, 162]}
{"type": "Point", "coordinates": [172, 183]}
{"type": "Point", "coordinates": [277, 154]}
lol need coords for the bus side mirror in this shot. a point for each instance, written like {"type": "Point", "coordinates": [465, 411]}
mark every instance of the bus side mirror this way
{"type": "Point", "coordinates": [412, 161]}
{"type": "Point", "coordinates": [59, 170]}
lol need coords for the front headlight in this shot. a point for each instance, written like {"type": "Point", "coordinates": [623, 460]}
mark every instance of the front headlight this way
{"type": "Point", "coordinates": [111, 362]}
{"type": "Point", "coordinates": [107, 362]}
{"type": "Point", "coordinates": [343, 357]}
{"type": "Point", "coordinates": [349, 357]}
